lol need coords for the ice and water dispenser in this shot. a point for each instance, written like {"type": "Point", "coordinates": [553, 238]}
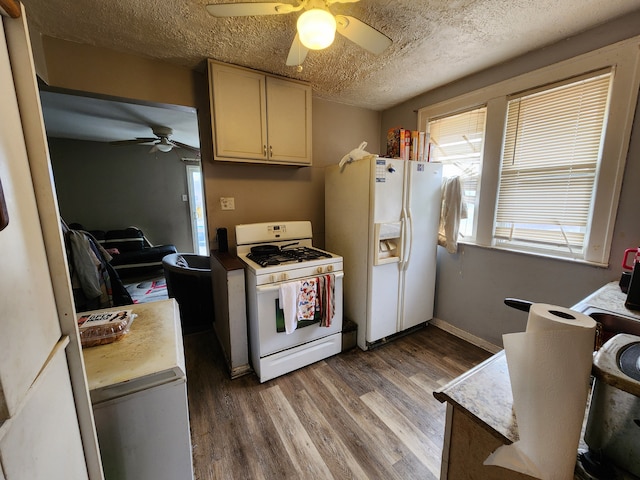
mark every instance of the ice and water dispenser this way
{"type": "Point", "coordinates": [388, 242]}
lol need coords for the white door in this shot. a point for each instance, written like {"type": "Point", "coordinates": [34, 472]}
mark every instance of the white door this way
{"type": "Point", "coordinates": [423, 207]}
{"type": "Point", "coordinates": [39, 431]}
{"type": "Point", "coordinates": [197, 210]}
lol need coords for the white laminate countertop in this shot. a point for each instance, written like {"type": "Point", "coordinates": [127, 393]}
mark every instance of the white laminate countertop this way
{"type": "Point", "coordinates": [485, 390]}
{"type": "Point", "coordinates": [610, 298]}
{"type": "Point", "coordinates": [150, 354]}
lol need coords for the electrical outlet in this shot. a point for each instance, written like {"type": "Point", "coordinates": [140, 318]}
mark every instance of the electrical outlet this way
{"type": "Point", "coordinates": [227, 203]}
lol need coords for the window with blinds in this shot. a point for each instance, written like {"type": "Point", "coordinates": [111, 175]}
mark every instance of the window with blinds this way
{"type": "Point", "coordinates": [457, 141]}
{"type": "Point", "coordinates": [550, 157]}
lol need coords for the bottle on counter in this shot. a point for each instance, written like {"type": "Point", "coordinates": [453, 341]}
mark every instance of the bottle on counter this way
{"type": "Point", "coordinates": [633, 292]}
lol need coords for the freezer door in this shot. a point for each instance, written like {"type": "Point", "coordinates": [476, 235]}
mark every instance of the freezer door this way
{"type": "Point", "coordinates": [384, 278]}
{"type": "Point", "coordinates": [423, 210]}
{"type": "Point", "coordinates": [387, 190]}
{"type": "Point", "coordinates": [383, 313]}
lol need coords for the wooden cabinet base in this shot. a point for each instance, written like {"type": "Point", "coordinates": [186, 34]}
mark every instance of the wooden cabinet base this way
{"type": "Point", "coordinates": [467, 445]}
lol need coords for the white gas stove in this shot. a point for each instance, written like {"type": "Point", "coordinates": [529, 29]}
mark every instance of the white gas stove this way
{"type": "Point", "coordinates": [280, 257]}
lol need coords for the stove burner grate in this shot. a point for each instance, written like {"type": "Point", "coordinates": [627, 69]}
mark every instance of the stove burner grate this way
{"type": "Point", "coordinates": [289, 255]}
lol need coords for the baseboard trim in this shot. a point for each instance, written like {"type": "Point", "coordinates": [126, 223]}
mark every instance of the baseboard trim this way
{"type": "Point", "coordinates": [453, 330]}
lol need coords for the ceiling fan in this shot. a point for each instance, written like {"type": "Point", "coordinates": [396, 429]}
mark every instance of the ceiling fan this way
{"type": "Point", "coordinates": [316, 26]}
{"type": "Point", "coordinates": [161, 141]}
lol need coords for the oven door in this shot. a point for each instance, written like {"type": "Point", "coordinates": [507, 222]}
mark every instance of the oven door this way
{"type": "Point", "coordinates": [269, 320]}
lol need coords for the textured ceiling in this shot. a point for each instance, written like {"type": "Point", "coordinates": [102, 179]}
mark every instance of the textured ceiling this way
{"type": "Point", "coordinates": [434, 41]}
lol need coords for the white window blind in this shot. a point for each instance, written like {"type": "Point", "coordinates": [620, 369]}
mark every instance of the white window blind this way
{"type": "Point", "coordinates": [457, 141]}
{"type": "Point", "coordinates": [550, 158]}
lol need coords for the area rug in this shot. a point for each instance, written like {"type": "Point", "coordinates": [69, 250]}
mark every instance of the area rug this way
{"type": "Point", "coordinates": [148, 290]}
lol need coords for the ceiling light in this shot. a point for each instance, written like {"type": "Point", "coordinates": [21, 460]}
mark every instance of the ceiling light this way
{"type": "Point", "coordinates": [164, 146]}
{"type": "Point", "coordinates": [316, 28]}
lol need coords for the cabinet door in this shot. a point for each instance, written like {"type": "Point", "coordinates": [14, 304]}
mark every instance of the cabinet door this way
{"type": "Point", "coordinates": [238, 113]}
{"type": "Point", "coordinates": [289, 121]}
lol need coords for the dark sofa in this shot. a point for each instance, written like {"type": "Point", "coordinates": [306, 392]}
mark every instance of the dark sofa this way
{"type": "Point", "coordinates": [133, 255]}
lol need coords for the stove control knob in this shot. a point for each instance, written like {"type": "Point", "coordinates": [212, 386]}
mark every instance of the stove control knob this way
{"type": "Point", "coordinates": [272, 278]}
{"type": "Point", "coordinates": [330, 268]}
{"type": "Point", "coordinates": [319, 270]}
{"type": "Point", "coordinates": [285, 276]}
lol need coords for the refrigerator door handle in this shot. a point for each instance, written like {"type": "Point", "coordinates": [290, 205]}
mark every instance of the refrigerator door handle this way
{"type": "Point", "coordinates": [406, 207]}
{"type": "Point", "coordinates": [409, 241]}
{"type": "Point", "coordinates": [403, 239]}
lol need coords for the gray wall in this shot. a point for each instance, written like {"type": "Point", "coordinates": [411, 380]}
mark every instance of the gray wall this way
{"type": "Point", "coordinates": [472, 284]}
{"type": "Point", "coordinates": [105, 187]}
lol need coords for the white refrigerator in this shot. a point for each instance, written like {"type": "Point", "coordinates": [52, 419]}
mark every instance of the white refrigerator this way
{"type": "Point", "coordinates": [381, 216]}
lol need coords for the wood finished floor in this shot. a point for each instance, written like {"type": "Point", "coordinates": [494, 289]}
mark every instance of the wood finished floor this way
{"type": "Point", "coordinates": [356, 415]}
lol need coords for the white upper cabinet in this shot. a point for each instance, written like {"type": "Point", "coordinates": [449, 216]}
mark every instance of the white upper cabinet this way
{"type": "Point", "coordinates": [259, 118]}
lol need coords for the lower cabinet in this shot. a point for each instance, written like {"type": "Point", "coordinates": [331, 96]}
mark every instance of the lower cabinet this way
{"type": "Point", "coordinates": [467, 444]}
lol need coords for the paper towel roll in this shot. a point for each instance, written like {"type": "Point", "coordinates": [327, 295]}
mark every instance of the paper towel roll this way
{"type": "Point", "coordinates": [549, 367]}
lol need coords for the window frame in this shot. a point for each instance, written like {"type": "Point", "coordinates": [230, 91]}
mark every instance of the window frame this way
{"type": "Point", "coordinates": [624, 60]}
{"type": "Point", "coordinates": [476, 202]}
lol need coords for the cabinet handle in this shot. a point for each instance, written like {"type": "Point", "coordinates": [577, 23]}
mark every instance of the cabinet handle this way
{"type": "Point", "coordinates": [264, 150]}
{"type": "Point", "coordinates": [270, 151]}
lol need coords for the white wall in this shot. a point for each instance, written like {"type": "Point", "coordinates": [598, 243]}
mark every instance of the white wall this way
{"type": "Point", "coordinates": [472, 284]}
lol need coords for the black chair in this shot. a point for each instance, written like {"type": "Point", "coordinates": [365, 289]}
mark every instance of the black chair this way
{"type": "Point", "coordinates": [188, 279]}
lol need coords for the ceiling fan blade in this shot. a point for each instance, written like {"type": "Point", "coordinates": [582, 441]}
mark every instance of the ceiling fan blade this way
{"type": "Point", "coordinates": [297, 52]}
{"type": "Point", "coordinates": [133, 142]}
{"type": "Point", "coordinates": [362, 34]}
{"type": "Point", "coordinates": [184, 146]}
{"type": "Point", "coordinates": [248, 9]}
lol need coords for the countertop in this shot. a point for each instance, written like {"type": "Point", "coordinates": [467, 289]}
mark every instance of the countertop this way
{"type": "Point", "coordinates": [150, 354]}
{"type": "Point", "coordinates": [228, 260]}
{"type": "Point", "coordinates": [485, 390]}
{"type": "Point", "coordinates": [610, 298]}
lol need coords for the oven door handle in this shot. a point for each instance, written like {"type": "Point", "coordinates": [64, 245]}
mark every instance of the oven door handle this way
{"type": "Point", "coordinates": [272, 287]}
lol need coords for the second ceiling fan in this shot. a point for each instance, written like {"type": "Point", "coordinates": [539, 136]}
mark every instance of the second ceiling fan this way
{"type": "Point", "coordinates": [160, 143]}
{"type": "Point", "coordinates": [316, 26]}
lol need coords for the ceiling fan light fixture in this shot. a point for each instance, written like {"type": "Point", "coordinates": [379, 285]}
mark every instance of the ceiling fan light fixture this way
{"type": "Point", "coordinates": [316, 28]}
{"type": "Point", "coordinates": [164, 146]}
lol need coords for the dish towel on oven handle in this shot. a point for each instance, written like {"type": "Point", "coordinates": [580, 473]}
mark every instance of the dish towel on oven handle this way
{"type": "Point", "coordinates": [326, 299]}
{"type": "Point", "coordinates": [301, 300]}
{"type": "Point", "coordinates": [308, 299]}
{"type": "Point", "coordinates": [288, 296]}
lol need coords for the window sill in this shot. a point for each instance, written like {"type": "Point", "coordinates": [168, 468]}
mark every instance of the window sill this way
{"type": "Point", "coordinates": [534, 254]}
